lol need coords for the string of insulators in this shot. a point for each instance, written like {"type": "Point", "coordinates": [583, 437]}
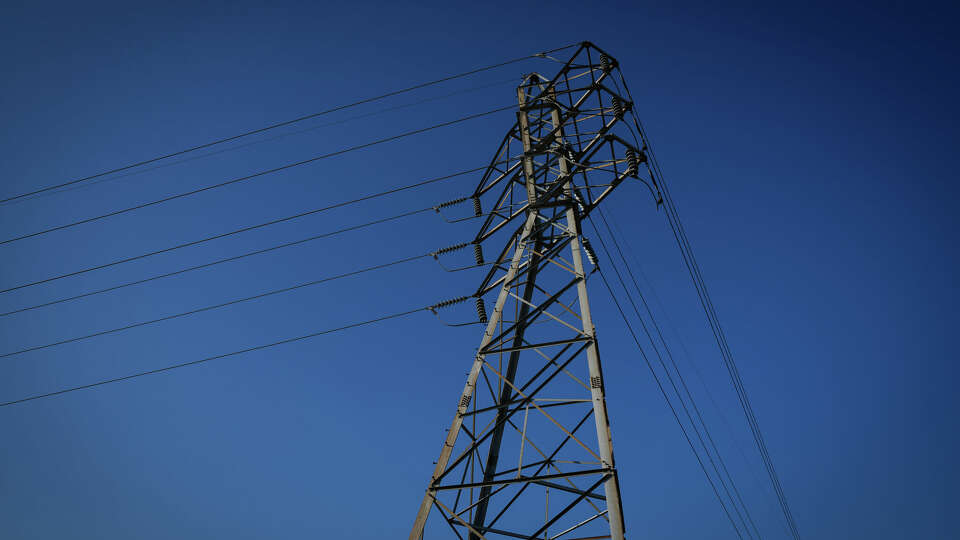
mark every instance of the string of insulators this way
{"type": "Point", "coordinates": [617, 107]}
{"type": "Point", "coordinates": [477, 209]}
{"type": "Point", "coordinates": [591, 254]}
{"type": "Point", "coordinates": [607, 62]}
{"type": "Point", "coordinates": [478, 253]}
{"type": "Point", "coordinates": [633, 164]}
{"type": "Point", "coordinates": [451, 203]}
{"type": "Point", "coordinates": [481, 310]}
{"type": "Point", "coordinates": [447, 303]}
{"type": "Point", "coordinates": [448, 249]}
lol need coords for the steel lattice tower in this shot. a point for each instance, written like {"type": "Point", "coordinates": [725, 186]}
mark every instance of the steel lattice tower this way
{"type": "Point", "coordinates": [520, 460]}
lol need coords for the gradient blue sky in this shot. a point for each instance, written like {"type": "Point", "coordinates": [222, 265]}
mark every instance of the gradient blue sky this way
{"type": "Point", "coordinates": [809, 148]}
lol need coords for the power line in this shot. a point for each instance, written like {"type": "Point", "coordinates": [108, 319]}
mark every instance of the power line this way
{"type": "Point", "coordinates": [248, 228]}
{"type": "Point", "coordinates": [285, 123]}
{"type": "Point", "coordinates": [216, 262]}
{"type": "Point", "coordinates": [727, 355]}
{"type": "Point", "coordinates": [216, 306]}
{"type": "Point", "coordinates": [265, 140]}
{"type": "Point", "coordinates": [745, 517]}
{"type": "Point", "coordinates": [693, 269]}
{"type": "Point", "coordinates": [255, 175]}
{"type": "Point", "coordinates": [210, 358]}
{"type": "Point", "coordinates": [766, 489]}
{"type": "Point", "coordinates": [673, 410]}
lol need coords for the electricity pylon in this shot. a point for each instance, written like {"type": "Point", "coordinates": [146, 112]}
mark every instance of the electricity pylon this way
{"type": "Point", "coordinates": [519, 460]}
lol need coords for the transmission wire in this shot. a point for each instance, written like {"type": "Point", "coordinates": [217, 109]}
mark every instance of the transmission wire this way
{"type": "Point", "coordinates": [210, 358]}
{"type": "Point", "coordinates": [680, 377]}
{"type": "Point", "coordinates": [255, 175]}
{"type": "Point", "coordinates": [673, 410]}
{"type": "Point", "coordinates": [216, 262]}
{"type": "Point", "coordinates": [245, 229]}
{"type": "Point", "coordinates": [710, 311]}
{"type": "Point", "coordinates": [286, 123]}
{"type": "Point", "coordinates": [217, 306]}
{"type": "Point", "coordinates": [268, 139]}
{"type": "Point", "coordinates": [766, 489]}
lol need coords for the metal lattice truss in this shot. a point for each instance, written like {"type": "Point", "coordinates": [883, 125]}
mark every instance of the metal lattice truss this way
{"type": "Point", "coordinates": [529, 453]}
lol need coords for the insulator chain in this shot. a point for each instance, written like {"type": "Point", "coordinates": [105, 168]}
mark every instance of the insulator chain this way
{"type": "Point", "coordinates": [607, 62]}
{"type": "Point", "coordinates": [591, 254]}
{"type": "Point", "coordinates": [565, 149]}
{"type": "Point", "coordinates": [451, 203]}
{"type": "Point", "coordinates": [633, 163]}
{"type": "Point", "coordinates": [481, 310]}
{"type": "Point", "coordinates": [449, 249]}
{"type": "Point", "coordinates": [478, 253]}
{"type": "Point", "coordinates": [447, 303]}
{"type": "Point", "coordinates": [617, 108]}
{"type": "Point", "coordinates": [481, 307]}
{"type": "Point", "coordinates": [477, 209]}
{"type": "Point", "coordinates": [620, 107]}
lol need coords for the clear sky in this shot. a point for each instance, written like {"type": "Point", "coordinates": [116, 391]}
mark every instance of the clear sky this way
{"type": "Point", "coordinates": [809, 152]}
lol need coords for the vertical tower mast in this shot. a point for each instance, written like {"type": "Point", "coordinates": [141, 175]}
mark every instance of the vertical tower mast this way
{"type": "Point", "coordinates": [518, 461]}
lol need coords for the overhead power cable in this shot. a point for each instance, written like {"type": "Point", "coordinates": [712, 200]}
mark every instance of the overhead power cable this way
{"type": "Point", "coordinates": [217, 306]}
{"type": "Point", "coordinates": [111, 178]}
{"type": "Point", "coordinates": [254, 175]}
{"type": "Point", "coordinates": [719, 464]}
{"type": "Point", "coordinates": [285, 123]}
{"type": "Point", "coordinates": [688, 357]}
{"type": "Point", "coordinates": [250, 228]}
{"type": "Point", "coordinates": [696, 275]}
{"type": "Point", "coordinates": [216, 262]}
{"type": "Point", "coordinates": [210, 358]}
{"type": "Point", "coordinates": [673, 409]}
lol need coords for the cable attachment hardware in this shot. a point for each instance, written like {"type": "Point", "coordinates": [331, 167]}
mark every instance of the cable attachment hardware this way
{"type": "Point", "coordinates": [447, 303]}
{"type": "Point", "coordinates": [450, 203]}
{"type": "Point", "coordinates": [655, 189]}
{"type": "Point", "coordinates": [449, 249]}
{"type": "Point", "coordinates": [588, 249]}
{"type": "Point", "coordinates": [481, 310]}
{"type": "Point", "coordinates": [477, 209]}
{"type": "Point", "coordinates": [478, 253]}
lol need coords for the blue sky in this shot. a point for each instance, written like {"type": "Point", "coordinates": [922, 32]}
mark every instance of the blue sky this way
{"type": "Point", "coordinates": [808, 149]}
